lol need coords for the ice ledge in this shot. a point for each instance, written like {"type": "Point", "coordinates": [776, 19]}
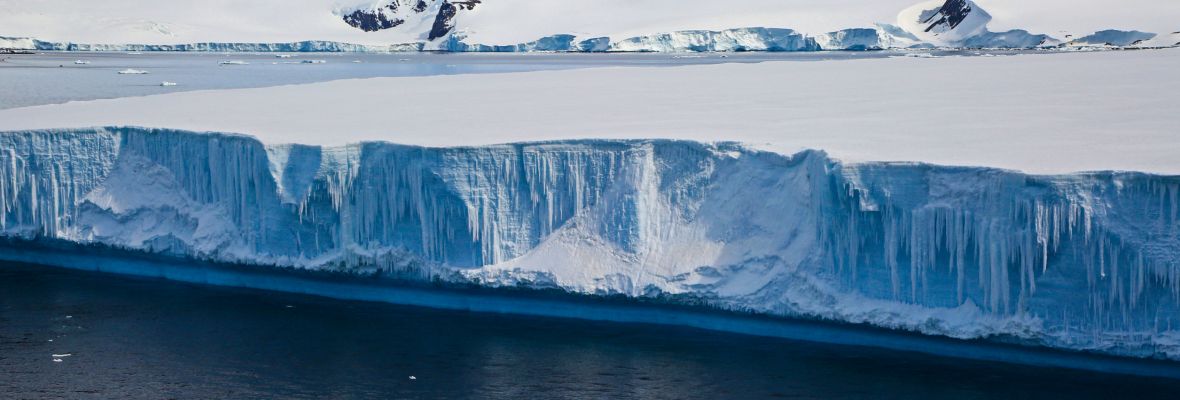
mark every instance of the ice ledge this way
{"type": "Point", "coordinates": [1083, 262]}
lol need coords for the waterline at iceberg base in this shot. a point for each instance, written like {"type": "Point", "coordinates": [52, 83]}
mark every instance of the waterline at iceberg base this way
{"type": "Point", "coordinates": [1088, 261]}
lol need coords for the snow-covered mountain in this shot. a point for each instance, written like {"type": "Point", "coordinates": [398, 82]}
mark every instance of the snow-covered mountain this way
{"type": "Point", "coordinates": [434, 17]}
{"type": "Point", "coordinates": [1086, 261]}
{"type": "Point", "coordinates": [944, 22]}
{"type": "Point", "coordinates": [529, 25]}
{"type": "Point", "coordinates": [963, 23]}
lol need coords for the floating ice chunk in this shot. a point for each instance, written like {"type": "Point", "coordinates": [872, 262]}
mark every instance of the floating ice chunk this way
{"type": "Point", "coordinates": [62, 355]}
{"type": "Point", "coordinates": [132, 71]}
{"type": "Point", "coordinates": [234, 62]}
{"type": "Point", "coordinates": [81, 62]}
{"type": "Point", "coordinates": [166, 83]}
{"type": "Point", "coordinates": [314, 61]}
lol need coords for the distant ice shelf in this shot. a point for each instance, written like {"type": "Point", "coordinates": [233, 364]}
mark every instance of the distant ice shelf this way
{"type": "Point", "coordinates": [1084, 261]}
{"type": "Point", "coordinates": [881, 37]}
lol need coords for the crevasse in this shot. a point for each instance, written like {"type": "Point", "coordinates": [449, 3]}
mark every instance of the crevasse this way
{"type": "Point", "coordinates": [1084, 261]}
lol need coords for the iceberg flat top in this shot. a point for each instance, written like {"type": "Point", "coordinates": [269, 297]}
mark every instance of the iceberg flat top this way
{"type": "Point", "coordinates": [1037, 113]}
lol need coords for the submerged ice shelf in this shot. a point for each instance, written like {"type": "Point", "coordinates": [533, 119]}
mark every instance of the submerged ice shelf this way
{"type": "Point", "coordinates": [1085, 261]}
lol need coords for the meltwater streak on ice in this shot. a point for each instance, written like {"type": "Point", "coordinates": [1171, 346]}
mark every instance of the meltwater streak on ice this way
{"type": "Point", "coordinates": [1087, 261]}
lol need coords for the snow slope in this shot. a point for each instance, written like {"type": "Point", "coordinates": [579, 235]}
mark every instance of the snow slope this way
{"type": "Point", "coordinates": [1088, 261]}
{"type": "Point", "coordinates": [1025, 112]}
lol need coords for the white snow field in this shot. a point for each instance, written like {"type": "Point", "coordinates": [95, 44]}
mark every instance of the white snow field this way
{"type": "Point", "coordinates": [1043, 114]}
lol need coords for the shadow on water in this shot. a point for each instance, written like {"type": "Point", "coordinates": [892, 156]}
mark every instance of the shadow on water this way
{"type": "Point", "coordinates": [146, 338]}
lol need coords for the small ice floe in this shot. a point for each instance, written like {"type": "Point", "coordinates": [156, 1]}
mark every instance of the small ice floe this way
{"type": "Point", "coordinates": [289, 306]}
{"type": "Point", "coordinates": [69, 316]}
{"type": "Point", "coordinates": [57, 360]}
{"type": "Point", "coordinates": [234, 62]}
{"type": "Point", "coordinates": [166, 83]}
{"type": "Point", "coordinates": [62, 355]}
{"type": "Point", "coordinates": [403, 59]}
{"type": "Point", "coordinates": [314, 61]}
{"type": "Point", "coordinates": [282, 56]}
{"type": "Point", "coordinates": [921, 55]}
{"type": "Point", "coordinates": [413, 378]}
{"type": "Point", "coordinates": [134, 53]}
{"type": "Point", "coordinates": [81, 62]}
{"type": "Point", "coordinates": [688, 56]}
{"type": "Point", "coordinates": [132, 71]}
{"type": "Point", "coordinates": [356, 61]}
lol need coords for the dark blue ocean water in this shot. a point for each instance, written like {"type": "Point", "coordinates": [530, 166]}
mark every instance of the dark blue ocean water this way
{"type": "Point", "coordinates": [140, 338]}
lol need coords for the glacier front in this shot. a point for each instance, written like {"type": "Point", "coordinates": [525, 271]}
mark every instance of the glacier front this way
{"type": "Point", "coordinates": [1086, 261]}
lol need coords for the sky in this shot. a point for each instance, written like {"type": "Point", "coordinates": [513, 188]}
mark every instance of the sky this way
{"type": "Point", "coordinates": [511, 21]}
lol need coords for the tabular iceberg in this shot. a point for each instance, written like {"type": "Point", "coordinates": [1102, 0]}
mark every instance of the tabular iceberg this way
{"type": "Point", "coordinates": [1086, 261]}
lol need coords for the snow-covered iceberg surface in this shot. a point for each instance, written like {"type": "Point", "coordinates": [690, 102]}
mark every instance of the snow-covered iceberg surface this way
{"type": "Point", "coordinates": [1086, 261]}
{"type": "Point", "coordinates": [1113, 38]}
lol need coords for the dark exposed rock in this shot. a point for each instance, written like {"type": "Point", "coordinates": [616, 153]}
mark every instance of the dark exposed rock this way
{"type": "Point", "coordinates": [951, 15]}
{"type": "Point", "coordinates": [373, 20]}
{"type": "Point", "coordinates": [444, 21]}
{"type": "Point", "coordinates": [466, 4]}
{"type": "Point", "coordinates": [421, 6]}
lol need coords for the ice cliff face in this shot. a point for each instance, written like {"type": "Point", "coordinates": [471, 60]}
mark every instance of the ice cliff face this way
{"type": "Point", "coordinates": [16, 43]}
{"type": "Point", "coordinates": [1087, 261]}
{"type": "Point", "coordinates": [748, 39]}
